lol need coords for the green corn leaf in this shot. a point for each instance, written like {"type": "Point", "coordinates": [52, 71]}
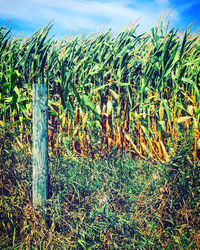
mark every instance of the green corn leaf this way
{"type": "Point", "coordinates": [88, 104]}
{"type": "Point", "coordinates": [162, 124]}
{"type": "Point", "coordinates": [183, 45]}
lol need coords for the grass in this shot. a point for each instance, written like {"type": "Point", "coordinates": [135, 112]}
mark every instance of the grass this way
{"type": "Point", "coordinates": [110, 203]}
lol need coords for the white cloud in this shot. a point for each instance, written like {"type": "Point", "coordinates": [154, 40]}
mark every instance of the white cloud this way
{"type": "Point", "coordinates": [162, 2]}
{"type": "Point", "coordinates": [86, 14]}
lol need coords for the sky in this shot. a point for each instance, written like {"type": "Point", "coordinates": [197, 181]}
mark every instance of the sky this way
{"type": "Point", "coordinates": [89, 16]}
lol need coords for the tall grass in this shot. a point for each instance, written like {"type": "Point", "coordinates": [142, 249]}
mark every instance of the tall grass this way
{"type": "Point", "coordinates": [113, 203]}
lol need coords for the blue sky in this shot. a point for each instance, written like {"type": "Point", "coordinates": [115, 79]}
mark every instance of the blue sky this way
{"type": "Point", "coordinates": [88, 16]}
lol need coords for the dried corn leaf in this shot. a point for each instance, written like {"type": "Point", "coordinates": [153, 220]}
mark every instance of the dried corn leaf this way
{"type": "Point", "coordinates": [183, 119]}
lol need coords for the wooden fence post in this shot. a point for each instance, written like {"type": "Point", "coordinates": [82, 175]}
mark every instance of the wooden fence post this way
{"type": "Point", "coordinates": [40, 143]}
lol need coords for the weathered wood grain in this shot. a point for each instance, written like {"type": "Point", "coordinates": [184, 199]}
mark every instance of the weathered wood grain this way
{"type": "Point", "coordinates": [40, 143]}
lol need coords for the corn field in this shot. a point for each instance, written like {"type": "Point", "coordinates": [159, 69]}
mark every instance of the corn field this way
{"type": "Point", "coordinates": [129, 106]}
{"type": "Point", "coordinates": [107, 92]}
